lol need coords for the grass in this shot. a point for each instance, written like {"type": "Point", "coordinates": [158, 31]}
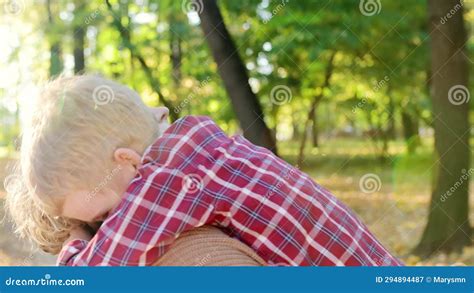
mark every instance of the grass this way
{"type": "Point", "coordinates": [396, 212]}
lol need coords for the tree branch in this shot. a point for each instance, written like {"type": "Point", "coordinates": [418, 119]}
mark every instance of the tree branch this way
{"type": "Point", "coordinates": [154, 83]}
{"type": "Point", "coordinates": [317, 98]}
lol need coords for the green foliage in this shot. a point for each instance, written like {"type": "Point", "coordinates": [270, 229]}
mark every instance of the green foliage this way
{"type": "Point", "coordinates": [381, 65]}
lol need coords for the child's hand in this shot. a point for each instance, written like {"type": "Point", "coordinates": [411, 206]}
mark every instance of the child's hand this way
{"type": "Point", "coordinates": [78, 233]}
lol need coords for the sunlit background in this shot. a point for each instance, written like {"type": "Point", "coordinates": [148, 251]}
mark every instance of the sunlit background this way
{"type": "Point", "coordinates": [344, 88]}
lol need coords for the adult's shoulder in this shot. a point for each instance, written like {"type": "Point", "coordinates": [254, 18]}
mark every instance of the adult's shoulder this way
{"type": "Point", "coordinates": [209, 246]}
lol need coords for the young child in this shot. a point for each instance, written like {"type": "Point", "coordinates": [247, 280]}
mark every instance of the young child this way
{"type": "Point", "coordinates": [121, 163]}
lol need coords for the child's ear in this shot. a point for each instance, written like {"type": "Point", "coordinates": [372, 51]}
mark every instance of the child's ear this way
{"type": "Point", "coordinates": [160, 113]}
{"type": "Point", "coordinates": [127, 156]}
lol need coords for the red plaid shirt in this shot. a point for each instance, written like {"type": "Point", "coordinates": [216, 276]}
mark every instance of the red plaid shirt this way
{"type": "Point", "coordinates": [195, 175]}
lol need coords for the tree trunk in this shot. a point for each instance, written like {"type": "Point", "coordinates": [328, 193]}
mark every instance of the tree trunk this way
{"type": "Point", "coordinates": [232, 71]}
{"type": "Point", "coordinates": [79, 36]}
{"type": "Point", "coordinates": [295, 126]}
{"type": "Point", "coordinates": [391, 131]}
{"type": "Point", "coordinates": [176, 51]}
{"type": "Point", "coordinates": [176, 56]}
{"type": "Point", "coordinates": [56, 62]}
{"type": "Point", "coordinates": [448, 226]}
{"type": "Point", "coordinates": [315, 133]}
{"type": "Point", "coordinates": [313, 107]}
{"type": "Point", "coordinates": [410, 130]}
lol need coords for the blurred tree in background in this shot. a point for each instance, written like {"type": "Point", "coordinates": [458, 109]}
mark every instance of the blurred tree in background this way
{"type": "Point", "coordinates": [448, 225]}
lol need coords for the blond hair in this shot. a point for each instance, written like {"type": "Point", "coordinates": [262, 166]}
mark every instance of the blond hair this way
{"type": "Point", "coordinates": [68, 143]}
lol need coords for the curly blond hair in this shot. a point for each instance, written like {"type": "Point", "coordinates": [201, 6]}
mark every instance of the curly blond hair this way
{"type": "Point", "coordinates": [67, 143]}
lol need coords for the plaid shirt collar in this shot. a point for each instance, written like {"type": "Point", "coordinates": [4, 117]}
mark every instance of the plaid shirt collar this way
{"type": "Point", "coordinates": [179, 128]}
